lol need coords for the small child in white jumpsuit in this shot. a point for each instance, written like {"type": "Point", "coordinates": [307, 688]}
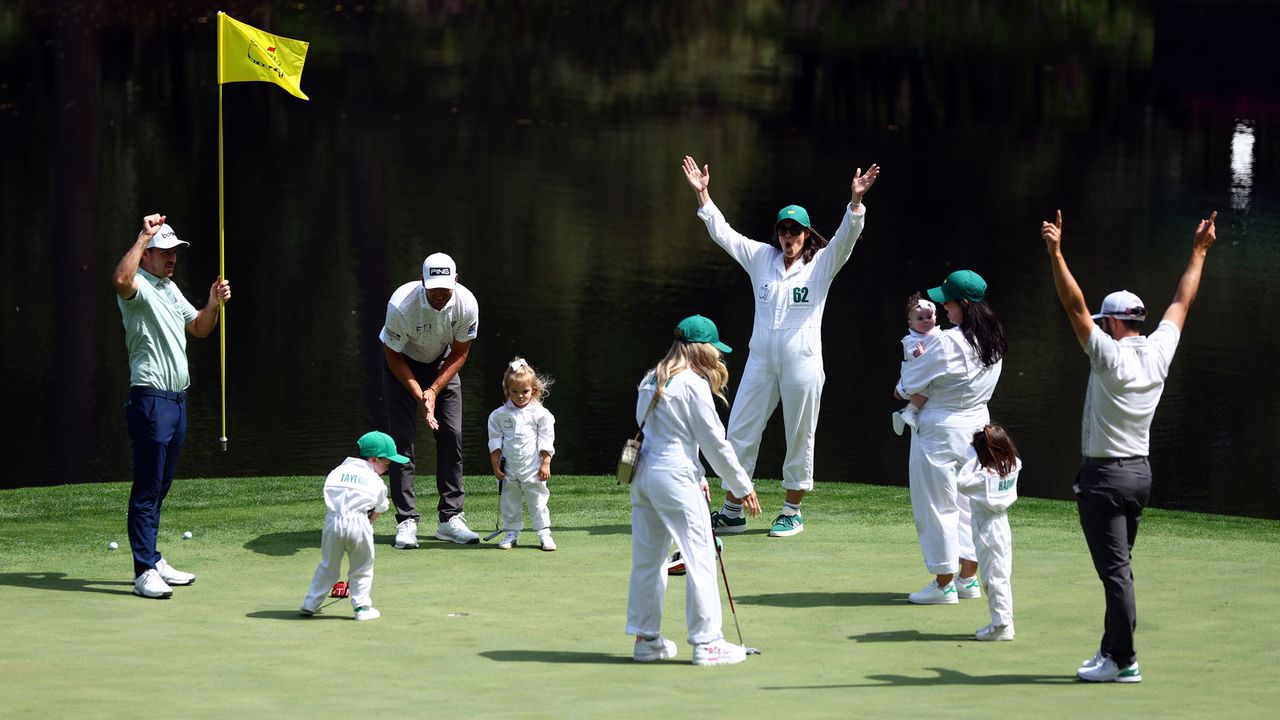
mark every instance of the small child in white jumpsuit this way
{"type": "Point", "coordinates": [355, 495]}
{"type": "Point", "coordinates": [522, 437]}
{"type": "Point", "coordinates": [922, 330]}
{"type": "Point", "coordinates": [989, 478]}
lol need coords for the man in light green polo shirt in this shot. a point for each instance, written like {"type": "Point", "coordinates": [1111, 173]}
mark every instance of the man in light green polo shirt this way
{"type": "Point", "coordinates": [156, 319]}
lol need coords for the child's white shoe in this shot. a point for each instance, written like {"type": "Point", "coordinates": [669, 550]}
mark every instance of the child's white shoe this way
{"type": "Point", "coordinates": [508, 540]}
{"type": "Point", "coordinates": [547, 543]}
{"type": "Point", "coordinates": [909, 415]}
{"type": "Point", "coordinates": [898, 423]}
{"type": "Point", "coordinates": [995, 632]}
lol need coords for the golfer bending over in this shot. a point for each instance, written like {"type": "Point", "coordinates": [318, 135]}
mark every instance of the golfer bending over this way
{"type": "Point", "coordinates": [1126, 377]}
{"type": "Point", "coordinates": [669, 494]}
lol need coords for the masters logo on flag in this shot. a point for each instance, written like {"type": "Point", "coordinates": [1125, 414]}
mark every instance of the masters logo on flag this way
{"type": "Point", "coordinates": [247, 54]}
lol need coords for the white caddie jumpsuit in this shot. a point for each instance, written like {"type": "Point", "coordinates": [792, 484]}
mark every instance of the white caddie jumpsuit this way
{"type": "Point", "coordinates": [350, 491]}
{"type": "Point", "coordinates": [667, 504]}
{"type": "Point", "coordinates": [523, 434]}
{"type": "Point", "coordinates": [951, 374]}
{"type": "Point", "coordinates": [990, 496]}
{"type": "Point", "coordinates": [786, 341]}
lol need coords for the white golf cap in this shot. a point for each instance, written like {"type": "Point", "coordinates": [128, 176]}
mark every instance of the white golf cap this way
{"type": "Point", "coordinates": [165, 238]}
{"type": "Point", "coordinates": [439, 271]}
{"type": "Point", "coordinates": [1124, 305]}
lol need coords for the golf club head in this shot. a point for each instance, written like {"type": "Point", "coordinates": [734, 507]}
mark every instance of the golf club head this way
{"type": "Point", "coordinates": [492, 535]}
{"type": "Point", "coordinates": [753, 651]}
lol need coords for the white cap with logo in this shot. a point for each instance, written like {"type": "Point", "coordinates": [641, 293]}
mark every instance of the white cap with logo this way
{"type": "Point", "coordinates": [164, 239]}
{"type": "Point", "coordinates": [439, 271]}
{"type": "Point", "coordinates": [1124, 305]}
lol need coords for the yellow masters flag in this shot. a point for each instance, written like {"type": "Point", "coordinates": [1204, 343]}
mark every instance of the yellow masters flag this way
{"type": "Point", "coordinates": [247, 54]}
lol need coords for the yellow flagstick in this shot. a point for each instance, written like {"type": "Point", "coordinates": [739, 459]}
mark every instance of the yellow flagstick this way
{"type": "Point", "coordinates": [222, 263]}
{"type": "Point", "coordinates": [257, 56]}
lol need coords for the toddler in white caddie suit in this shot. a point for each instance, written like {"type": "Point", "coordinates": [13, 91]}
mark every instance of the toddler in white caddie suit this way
{"type": "Point", "coordinates": [355, 495]}
{"type": "Point", "coordinates": [989, 478]}
{"type": "Point", "coordinates": [522, 438]}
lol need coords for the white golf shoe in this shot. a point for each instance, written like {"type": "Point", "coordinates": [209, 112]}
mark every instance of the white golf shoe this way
{"type": "Point", "coordinates": [718, 652]}
{"type": "Point", "coordinates": [367, 612]}
{"type": "Point", "coordinates": [456, 530]}
{"type": "Point", "coordinates": [508, 540]}
{"type": "Point", "coordinates": [968, 588]}
{"type": "Point", "coordinates": [994, 632]}
{"type": "Point", "coordinates": [150, 585]}
{"type": "Point", "coordinates": [1094, 661]}
{"type": "Point", "coordinates": [406, 534]}
{"type": "Point", "coordinates": [548, 544]}
{"type": "Point", "coordinates": [1109, 671]}
{"type": "Point", "coordinates": [172, 575]}
{"type": "Point", "coordinates": [931, 594]}
{"type": "Point", "coordinates": [650, 649]}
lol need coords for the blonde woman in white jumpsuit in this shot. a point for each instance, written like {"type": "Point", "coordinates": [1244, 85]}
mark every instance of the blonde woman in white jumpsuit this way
{"type": "Point", "coordinates": [669, 495]}
{"type": "Point", "coordinates": [958, 373]}
{"type": "Point", "coordinates": [790, 279]}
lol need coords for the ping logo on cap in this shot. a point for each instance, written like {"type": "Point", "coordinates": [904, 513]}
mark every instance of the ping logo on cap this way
{"type": "Point", "coordinates": [439, 271]}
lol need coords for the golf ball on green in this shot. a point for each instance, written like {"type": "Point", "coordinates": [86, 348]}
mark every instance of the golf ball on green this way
{"type": "Point", "coordinates": [186, 535]}
{"type": "Point", "coordinates": [112, 545]}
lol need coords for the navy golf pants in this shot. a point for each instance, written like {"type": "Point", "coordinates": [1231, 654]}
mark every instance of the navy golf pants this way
{"type": "Point", "coordinates": [157, 421]}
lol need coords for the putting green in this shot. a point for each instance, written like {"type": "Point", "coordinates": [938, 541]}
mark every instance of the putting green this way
{"type": "Point", "coordinates": [472, 631]}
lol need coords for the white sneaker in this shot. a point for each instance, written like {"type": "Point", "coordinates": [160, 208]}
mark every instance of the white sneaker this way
{"type": "Point", "coordinates": [909, 414]}
{"type": "Point", "coordinates": [547, 543]}
{"type": "Point", "coordinates": [898, 423]}
{"type": "Point", "coordinates": [306, 611]}
{"type": "Point", "coordinates": [718, 652]}
{"type": "Point", "coordinates": [456, 530]}
{"type": "Point", "coordinates": [658, 648]}
{"type": "Point", "coordinates": [150, 585]}
{"type": "Point", "coordinates": [1094, 661]}
{"type": "Point", "coordinates": [367, 612]}
{"type": "Point", "coordinates": [1109, 671]}
{"type": "Point", "coordinates": [931, 594]}
{"type": "Point", "coordinates": [172, 575]}
{"type": "Point", "coordinates": [994, 632]}
{"type": "Point", "coordinates": [406, 534]}
{"type": "Point", "coordinates": [508, 540]}
{"type": "Point", "coordinates": [967, 588]}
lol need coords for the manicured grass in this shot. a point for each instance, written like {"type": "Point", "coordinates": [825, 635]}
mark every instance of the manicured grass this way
{"type": "Point", "coordinates": [474, 632]}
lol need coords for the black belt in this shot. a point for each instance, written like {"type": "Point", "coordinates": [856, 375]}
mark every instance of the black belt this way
{"type": "Point", "coordinates": [1101, 461]}
{"type": "Point", "coordinates": [142, 390]}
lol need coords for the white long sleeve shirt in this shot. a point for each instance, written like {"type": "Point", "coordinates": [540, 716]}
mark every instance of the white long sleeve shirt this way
{"type": "Point", "coordinates": [354, 488]}
{"type": "Point", "coordinates": [522, 434]}
{"type": "Point", "coordinates": [683, 423]}
{"type": "Point", "coordinates": [786, 298]}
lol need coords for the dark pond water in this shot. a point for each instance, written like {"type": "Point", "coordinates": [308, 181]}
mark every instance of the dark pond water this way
{"type": "Point", "coordinates": [539, 144]}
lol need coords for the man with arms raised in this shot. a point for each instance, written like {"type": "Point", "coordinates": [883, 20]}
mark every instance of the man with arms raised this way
{"type": "Point", "coordinates": [1126, 378]}
{"type": "Point", "coordinates": [156, 319]}
{"type": "Point", "coordinates": [426, 338]}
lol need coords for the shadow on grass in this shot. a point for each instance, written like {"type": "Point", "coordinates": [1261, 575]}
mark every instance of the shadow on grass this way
{"type": "Point", "coordinates": [616, 529]}
{"type": "Point", "coordinates": [911, 636]}
{"type": "Point", "coordinates": [553, 656]}
{"type": "Point", "coordinates": [60, 581]}
{"type": "Point", "coordinates": [823, 599]}
{"type": "Point", "coordinates": [284, 543]}
{"type": "Point", "coordinates": [943, 677]}
{"type": "Point", "coordinates": [294, 615]}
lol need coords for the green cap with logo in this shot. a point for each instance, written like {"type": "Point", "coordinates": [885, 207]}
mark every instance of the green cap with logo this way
{"type": "Point", "coordinates": [794, 212]}
{"type": "Point", "coordinates": [696, 328]}
{"type": "Point", "coordinates": [960, 285]}
{"type": "Point", "coordinates": [379, 445]}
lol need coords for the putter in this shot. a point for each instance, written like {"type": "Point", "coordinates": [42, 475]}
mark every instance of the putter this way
{"type": "Point", "coordinates": [734, 610]}
{"type": "Point", "coordinates": [497, 524]}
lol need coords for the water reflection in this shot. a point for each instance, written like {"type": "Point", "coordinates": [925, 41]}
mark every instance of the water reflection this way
{"type": "Point", "coordinates": [539, 144]}
{"type": "Point", "coordinates": [1241, 165]}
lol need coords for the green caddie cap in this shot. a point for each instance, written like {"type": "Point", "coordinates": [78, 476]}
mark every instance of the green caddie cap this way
{"type": "Point", "coordinates": [379, 445]}
{"type": "Point", "coordinates": [794, 212]}
{"type": "Point", "coordinates": [960, 285]}
{"type": "Point", "coordinates": [696, 328]}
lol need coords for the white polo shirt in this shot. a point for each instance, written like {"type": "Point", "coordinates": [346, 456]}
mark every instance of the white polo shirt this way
{"type": "Point", "coordinates": [423, 333]}
{"type": "Point", "coordinates": [1126, 380]}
